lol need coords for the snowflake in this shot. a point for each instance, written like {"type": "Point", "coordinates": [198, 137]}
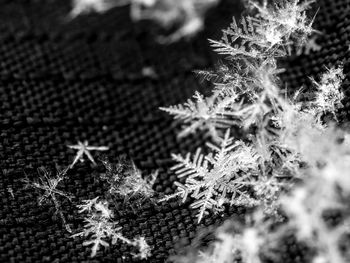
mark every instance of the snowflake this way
{"type": "Point", "coordinates": [267, 34]}
{"type": "Point", "coordinates": [215, 179]}
{"type": "Point", "coordinates": [245, 90]}
{"type": "Point", "coordinates": [127, 181]}
{"type": "Point", "coordinates": [48, 185]}
{"type": "Point", "coordinates": [101, 228]}
{"type": "Point", "coordinates": [84, 148]}
{"type": "Point", "coordinates": [247, 96]}
{"type": "Point", "coordinates": [203, 114]}
{"type": "Point", "coordinates": [283, 21]}
{"type": "Point", "coordinates": [252, 45]}
{"type": "Point", "coordinates": [329, 94]}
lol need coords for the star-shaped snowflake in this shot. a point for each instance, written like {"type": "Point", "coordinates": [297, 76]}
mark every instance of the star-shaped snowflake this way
{"type": "Point", "coordinates": [84, 148]}
{"type": "Point", "coordinates": [223, 176]}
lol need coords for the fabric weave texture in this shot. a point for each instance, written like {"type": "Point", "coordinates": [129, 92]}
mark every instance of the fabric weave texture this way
{"type": "Point", "coordinates": [62, 81]}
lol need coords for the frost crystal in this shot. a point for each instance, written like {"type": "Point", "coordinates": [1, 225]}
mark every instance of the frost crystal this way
{"type": "Point", "coordinates": [48, 185]}
{"type": "Point", "coordinates": [101, 228]}
{"type": "Point", "coordinates": [84, 148]}
{"type": "Point", "coordinates": [246, 96]}
{"type": "Point", "coordinates": [329, 94]}
{"type": "Point", "coordinates": [215, 179]}
{"type": "Point", "coordinates": [269, 33]}
{"type": "Point", "coordinates": [284, 22]}
{"type": "Point", "coordinates": [126, 180]}
{"type": "Point", "coordinates": [287, 138]}
{"type": "Point", "coordinates": [245, 89]}
{"type": "Point", "coordinates": [203, 114]}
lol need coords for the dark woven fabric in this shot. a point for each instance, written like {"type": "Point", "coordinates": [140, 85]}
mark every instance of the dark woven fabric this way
{"type": "Point", "coordinates": [63, 81]}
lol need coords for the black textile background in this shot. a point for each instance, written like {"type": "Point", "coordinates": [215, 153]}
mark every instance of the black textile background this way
{"type": "Point", "coordinates": [63, 81]}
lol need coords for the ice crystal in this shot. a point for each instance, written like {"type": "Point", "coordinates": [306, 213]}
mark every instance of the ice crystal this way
{"type": "Point", "coordinates": [215, 179]}
{"type": "Point", "coordinates": [325, 187]}
{"type": "Point", "coordinates": [289, 138]}
{"type": "Point", "coordinates": [268, 33]}
{"type": "Point", "coordinates": [126, 180]}
{"type": "Point", "coordinates": [246, 95]}
{"type": "Point", "coordinates": [245, 89]}
{"type": "Point", "coordinates": [284, 22]}
{"type": "Point", "coordinates": [47, 185]}
{"type": "Point", "coordinates": [329, 94]}
{"type": "Point", "coordinates": [102, 230]}
{"type": "Point", "coordinates": [84, 148]}
{"type": "Point", "coordinates": [252, 45]}
{"type": "Point", "coordinates": [301, 124]}
{"type": "Point", "coordinates": [203, 114]}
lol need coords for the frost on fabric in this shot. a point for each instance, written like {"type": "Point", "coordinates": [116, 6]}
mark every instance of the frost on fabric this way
{"type": "Point", "coordinates": [102, 230]}
{"type": "Point", "coordinates": [246, 96]}
{"type": "Point", "coordinates": [245, 88]}
{"type": "Point", "coordinates": [317, 211]}
{"type": "Point", "coordinates": [126, 180]}
{"type": "Point", "coordinates": [329, 95]}
{"type": "Point", "coordinates": [203, 114]}
{"type": "Point", "coordinates": [269, 33]}
{"type": "Point", "coordinates": [83, 148]}
{"type": "Point", "coordinates": [47, 185]}
{"type": "Point", "coordinates": [224, 176]}
{"type": "Point", "coordinates": [291, 138]}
